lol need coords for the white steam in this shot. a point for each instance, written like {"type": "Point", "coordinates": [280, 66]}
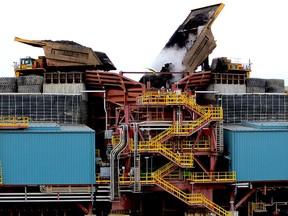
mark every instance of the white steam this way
{"type": "Point", "coordinates": [176, 55]}
{"type": "Point", "coordinates": [172, 55]}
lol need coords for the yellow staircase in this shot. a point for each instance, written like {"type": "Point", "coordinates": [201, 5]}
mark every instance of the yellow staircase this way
{"type": "Point", "coordinates": [181, 159]}
{"type": "Point", "coordinates": [207, 114]}
{"type": "Point", "coordinates": [157, 144]}
{"type": "Point", "coordinates": [190, 199]}
{"type": "Point", "coordinates": [173, 98]}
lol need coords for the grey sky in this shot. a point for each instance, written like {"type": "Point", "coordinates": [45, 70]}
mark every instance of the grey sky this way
{"type": "Point", "coordinates": [133, 33]}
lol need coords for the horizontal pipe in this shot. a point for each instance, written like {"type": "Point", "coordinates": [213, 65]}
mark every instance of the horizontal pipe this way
{"type": "Point", "coordinates": [252, 93]}
{"type": "Point", "coordinates": [103, 197]}
{"type": "Point", "coordinates": [17, 93]}
{"type": "Point", "coordinates": [206, 92]}
{"type": "Point", "coordinates": [76, 200]}
{"type": "Point", "coordinates": [93, 91]}
{"type": "Point", "coordinates": [40, 197]}
{"type": "Point", "coordinates": [43, 194]}
{"type": "Point", "coordinates": [103, 200]}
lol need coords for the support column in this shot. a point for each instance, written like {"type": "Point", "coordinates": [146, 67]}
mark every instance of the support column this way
{"type": "Point", "coordinates": [122, 207]}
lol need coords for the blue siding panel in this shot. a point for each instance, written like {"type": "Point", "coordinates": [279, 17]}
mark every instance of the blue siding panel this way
{"type": "Point", "coordinates": [48, 156]}
{"type": "Point", "coordinates": [258, 155]}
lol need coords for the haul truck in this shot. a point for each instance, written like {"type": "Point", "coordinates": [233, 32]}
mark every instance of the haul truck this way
{"type": "Point", "coordinates": [62, 56]}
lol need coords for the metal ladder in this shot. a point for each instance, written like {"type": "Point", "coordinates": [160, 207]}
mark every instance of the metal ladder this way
{"type": "Point", "coordinates": [219, 137]}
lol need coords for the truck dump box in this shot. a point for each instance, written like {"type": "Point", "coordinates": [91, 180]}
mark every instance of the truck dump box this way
{"type": "Point", "coordinates": [70, 54]}
{"type": "Point", "coordinates": [195, 35]}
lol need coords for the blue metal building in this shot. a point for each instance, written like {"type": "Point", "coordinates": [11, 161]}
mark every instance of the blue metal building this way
{"type": "Point", "coordinates": [48, 154]}
{"type": "Point", "coordinates": [258, 150]}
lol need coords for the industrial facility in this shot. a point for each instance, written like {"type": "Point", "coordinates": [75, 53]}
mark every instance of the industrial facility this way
{"type": "Point", "coordinates": [78, 138]}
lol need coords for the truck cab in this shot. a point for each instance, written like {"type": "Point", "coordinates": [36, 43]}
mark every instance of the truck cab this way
{"type": "Point", "coordinates": [30, 65]}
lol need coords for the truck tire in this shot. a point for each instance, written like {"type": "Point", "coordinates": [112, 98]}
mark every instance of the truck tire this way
{"type": "Point", "coordinates": [6, 88]}
{"type": "Point", "coordinates": [8, 80]}
{"type": "Point", "coordinates": [30, 80]}
{"type": "Point", "coordinates": [255, 89]}
{"type": "Point", "coordinates": [29, 89]}
{"type": "Point", "coordinates": [275, 86]}
{"type": "Point", "coordinates": [256, 82]}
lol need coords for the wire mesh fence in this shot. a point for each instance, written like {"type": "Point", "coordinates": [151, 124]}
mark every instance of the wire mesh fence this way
{"type": "Point", "coordinates": [254, 107]}
{"type": "Point", "coordinates": [43, 107]}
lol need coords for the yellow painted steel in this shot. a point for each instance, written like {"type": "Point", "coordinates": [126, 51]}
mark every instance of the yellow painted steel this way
{"type": "Point", "coordinates": [213, 176]}
{"type": "Point", "coordinates": [115, 140]}
{"type": "Point", "coordinates": [202, 144]}
{"type": "Point", "coordinates": [14, 122]}
{"type": "Point", "coordinates": [97, 152]}
{"type": "Point", "coordinates": [173, 98]}
{"type": "Point", "coordinates": [99, 180]}
{"type": "Point", "coordinates": [160, 176]}
{"type": "Point", "coordinates": [191, 199]}
{"type": "Point", "coordinates": [167, 168]}
{"type": "Point", "coordinates": [187, 145]}
{"type": "Point", "coordinates": [183, 159]}
{"type": "Point", "coordinates": [185, 128]}
{"type": "Point", "coordinates": [259, 207]}
{"type": "Point", "coordinates": [157, 178]}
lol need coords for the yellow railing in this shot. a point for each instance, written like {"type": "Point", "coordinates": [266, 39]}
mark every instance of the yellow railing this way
{"type": "Point", "coordinates": [172, 98]}
{"type": "Point", "coordinates": [167, 171]}
{"type": "Point", "coordinates": [182, 159]}
{"type": "Point", "coordinates": [212, 176]}
{"type": "Point", "coordinates": [157, 178]}
{"type": "Point", "coordinates": [115, 140]}
{"type": "Point", "coordinates": [190, 199]}
{"type": "Point", "coordinates": [201, 144]}
{"type": "Point", "coordinates": [187, 128]}
{"type": "Point", "coordinates": [187, 145]}
{"type": "Point", "coordinates": [100, 180]}
{"type": "Point", "coordinates": [164, 169]}
{"type": "Point", "coordinates": [14, 122]}
{"type": "Point", "coordinates": [214, 207]}
{"type": "Point", "coordinates": [97, 152]}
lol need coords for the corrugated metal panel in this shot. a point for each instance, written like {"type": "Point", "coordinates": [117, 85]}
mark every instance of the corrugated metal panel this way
{"type": "Point", "coordinates": [35, 156]}
{"type": "Point", "coordinates": [257, 155]}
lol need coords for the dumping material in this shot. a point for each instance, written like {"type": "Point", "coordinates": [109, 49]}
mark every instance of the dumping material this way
{"type": "Point", "coordinates": [194, 37]}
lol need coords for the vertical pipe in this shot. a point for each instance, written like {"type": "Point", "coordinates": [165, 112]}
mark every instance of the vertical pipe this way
{"type": "Point", "coordinates": [105, 110]}
{"type": "Point", "coordinates": [146, 167]}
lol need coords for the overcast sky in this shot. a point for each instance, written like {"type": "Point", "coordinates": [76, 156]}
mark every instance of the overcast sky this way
{"type": "Point", "coordinates": [132, 33]}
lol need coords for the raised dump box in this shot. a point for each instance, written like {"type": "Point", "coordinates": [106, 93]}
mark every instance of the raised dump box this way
{"type": "Point", "coordinates": [195, 36]}
{"type": "Point", "coordinates": [61, 54]}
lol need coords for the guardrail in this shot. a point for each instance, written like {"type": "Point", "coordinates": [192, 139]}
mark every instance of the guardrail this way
{"type": "Point", "coordinates": [14, 122]}
{"type": "Point", "coordinates": [212, 176]}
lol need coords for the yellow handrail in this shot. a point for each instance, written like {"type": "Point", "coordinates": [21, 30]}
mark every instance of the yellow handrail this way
{"type": "Point", "coordinates": [14, 122]}
{"type": "Point", "coordinates": [182, 159]}
{"type": "Point", "coordinates": [191, 199]}
{"type": "Point", "coordinates": [212, 176]}
{"type": "Point", "coordinates": [157, 178]}
{"type": "Point", "coordinates": [173, 98]}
